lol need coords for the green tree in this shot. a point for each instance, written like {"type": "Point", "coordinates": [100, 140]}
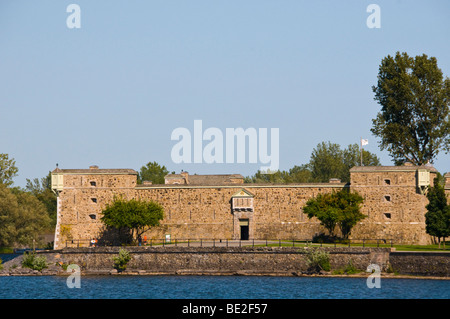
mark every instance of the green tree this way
{"type": "Point", "coordinates": [348, 203]}
{"type": "Point", "coordinates": [152, 172]}
{"type": "Point", "coordinates": [437, 217]}
{"type": "Point", "coordinates": [336, 209]}
{"type": "Point", "coordinates": [300, 174]}
{"type": "Point", "coordinates": [414, 121]}
{"type": "Point", "coordinates": [328, 160]}
{"type": "Point", "coordinates": [134, 216]}
{"type": "Point", "coordinates": [352, 157]}
{"type": "Point", "coordinates": [8, 169]}
{"type": "Point", "coordinates": [42, 189]}
{"type": "Point", "coordinates": [278, 177]}
{"type": "Point", "coordinates": [23, 218]}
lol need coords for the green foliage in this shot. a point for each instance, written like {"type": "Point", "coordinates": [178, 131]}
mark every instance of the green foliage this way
{"type": "Point", "coordinates": [121, 261]}
{"type": "Point", "coordinates": [414, 121]}
{"type": "Point", "coordinates": [327, 161]}
{"type": "Point", "coordinates": [349, 269]}
{"type": "Point", "coordinates": [437, 217]}
{"type": "Point", "coordinates": [317, 259]}
{"type": "Point", "coordinates": [8, 169]}
{"type": "Point", "coordinates": [1, 265]}
{"type": "Point", "coordinates": [42, 190]}
{"type": "Point", "coordinates": [337, 208]}
{"type": "Point", "coordinates": [30, 260]}
{"type": "Point", "coordinates": [152, 172]}
{"type": "Point", "coordinates": [22, 217]}
{"type": "Point", "coordinates": [134, 215]}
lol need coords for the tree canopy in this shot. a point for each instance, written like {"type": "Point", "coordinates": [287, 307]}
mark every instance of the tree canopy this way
{"type": "Point", "coordinates": [437, 217]}
{"type": "Point", "coordinates": [22, 217]}
{"type": "Point", "coordinates": [8, 169]}
{"type": "Point", "coordinates": [42, 189]}
{"type": "Point", "coordinates": [135, 216]}
{"type": "Point", "coordinates": [153, 172]}
{"type": "Point", "coordinates": [328, 160]}
{"type": "Point", "coordinates": [414, 121]}
{"type": "Point", "coordinates": [340, 209]}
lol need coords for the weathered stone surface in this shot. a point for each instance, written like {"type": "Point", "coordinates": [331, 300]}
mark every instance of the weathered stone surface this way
{"type": "Point", "coordinates": [394, 206]}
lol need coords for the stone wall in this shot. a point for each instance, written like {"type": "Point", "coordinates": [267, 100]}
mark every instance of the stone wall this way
{"type": "Point", "coordinates": [393, 204]}
{"type": "Point", "coordinates": [221, 260]}
{"type": "Point", "coordinates": [421, 263]}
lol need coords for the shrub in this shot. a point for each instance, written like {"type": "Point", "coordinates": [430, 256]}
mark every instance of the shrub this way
{"type": "Point", "coordinates": [30, 260]}
{"type": "Point", "coordinates": [317, 259]}
{"type": "Point", "coordinates": [121, 261]}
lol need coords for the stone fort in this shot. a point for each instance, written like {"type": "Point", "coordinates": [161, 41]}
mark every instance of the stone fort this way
{"type": "Point", "coordinates": [224, 207]}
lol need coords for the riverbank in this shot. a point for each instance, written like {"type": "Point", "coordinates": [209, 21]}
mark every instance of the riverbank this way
{"type": "Point", "coordinates": [237, 261]}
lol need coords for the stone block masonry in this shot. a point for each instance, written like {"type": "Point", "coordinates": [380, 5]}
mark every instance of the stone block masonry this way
{"type": "Point", "coordinates": [220, 260]}
{"type": "Point", "coordinates": [223, 207]}
{"type": "Point", "coordinates": [268, 261]}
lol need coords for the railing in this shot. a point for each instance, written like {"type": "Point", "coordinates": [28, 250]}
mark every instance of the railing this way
{"type": "Point", "coordinates": [179, 242]}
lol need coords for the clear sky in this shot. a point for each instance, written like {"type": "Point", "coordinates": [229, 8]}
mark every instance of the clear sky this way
{"type": "Point", "coordinates": [111, 92]}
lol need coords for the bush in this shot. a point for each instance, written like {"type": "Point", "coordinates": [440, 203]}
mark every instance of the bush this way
{"type": "Point", "coordinates": [317, 259]}
{"type": "Point", "coordinates": [121, 261]}
{"type": "Point", "coordinates": [30, 260]}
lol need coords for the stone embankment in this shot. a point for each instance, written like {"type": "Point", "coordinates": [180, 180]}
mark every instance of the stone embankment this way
{"type": "Point", "coordinates": [273, 261]}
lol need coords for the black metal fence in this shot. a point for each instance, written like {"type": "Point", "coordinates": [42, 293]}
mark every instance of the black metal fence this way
{"type": "Point", "coordinates": [204, 242]}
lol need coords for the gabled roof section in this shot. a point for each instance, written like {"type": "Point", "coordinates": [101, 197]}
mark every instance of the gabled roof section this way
{"type": "Point", "coordinates": [243, 193]}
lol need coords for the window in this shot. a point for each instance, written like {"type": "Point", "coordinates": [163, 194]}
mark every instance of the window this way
{"type": "Point", "coordinates": [93, 216]}
{"type": "Point", "coordinates": [387, 182]}
{"type": "Point", "coordinates": [387, 215]}
{"type": "Point", "coordinates": [94, 200]}
{"type": "Point", "coordinates": [387, 198]}
{"type": "Point", "coordinates": [93, 183]}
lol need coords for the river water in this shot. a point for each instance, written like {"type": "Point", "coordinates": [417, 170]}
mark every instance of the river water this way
{"type": "Point", "coordinates": [218, 287]}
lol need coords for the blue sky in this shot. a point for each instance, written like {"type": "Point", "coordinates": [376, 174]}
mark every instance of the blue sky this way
{"type": "Point", "coordinates": [111, 92]}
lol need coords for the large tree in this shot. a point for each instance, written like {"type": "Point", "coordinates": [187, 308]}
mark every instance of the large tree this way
{"type": "Point", "coordinates": [23, 218]}
{"type": "Point", "coordinates": [414, 121]}
{"type": "Point", "coordinates": [336, 209]}
{"type": "Point", "coordinates": [132, 216]}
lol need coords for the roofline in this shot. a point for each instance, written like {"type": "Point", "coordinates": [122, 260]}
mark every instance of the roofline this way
{"type": "Point", "coordinates": [95, 171]}
{"type": "Point", "coordinates": [249, 185]}
{"type": "Point", "coordinates": [391, 168]}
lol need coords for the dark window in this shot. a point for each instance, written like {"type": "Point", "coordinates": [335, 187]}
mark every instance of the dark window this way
{"type": "Point", "coordinates": [94, 200]}
{"type": "Point", "coordinates": [93, 216]}
{"type": "Point", "coordinates": [93, 183]}
{"type": "Point", "coordinates": [387, 198]}
{"type": "Point", "coordinates": [387, 215]}
{"type": "Point", "coordinates": [387, 182]}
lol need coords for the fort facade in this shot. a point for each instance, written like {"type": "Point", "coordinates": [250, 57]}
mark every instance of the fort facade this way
{"type": "Point", "coordinates": [224, 207]}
